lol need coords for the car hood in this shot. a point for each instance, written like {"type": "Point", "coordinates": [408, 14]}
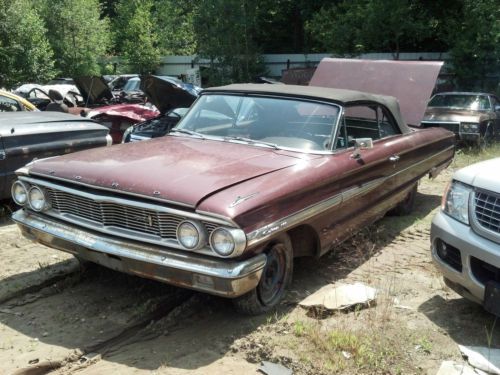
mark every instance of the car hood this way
{"type": "Point", "coordinates": [452, 115]}
{"type": "Point", "coordinates": [177, 169]}
{"type": "Point", "coordinates": [482, 175]}
{"type": "Point", "coordinates": [134, 112]}
{"type": "Point", "coordinates": [167, 93]}
{"type": "Point", "coordinates": [94, 89]}
{"type": "Point", "coordinates": [411, 82]}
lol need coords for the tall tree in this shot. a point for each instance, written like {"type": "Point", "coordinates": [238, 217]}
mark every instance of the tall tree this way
{"type": "Point", "coordinates": [358, 26]}
{"type": "Point", "coordinates": [475, 41]}
{"type": "Point", "coordinates": [137, 38]}
{"type": "Point", "coordinates": [225, 31]}
{"type": "Point", "coordinates": [25, 53]}
{"type": "Point", "coordinates": [78, 35]}
{"type": "Point", "coordinates": [174, 21]}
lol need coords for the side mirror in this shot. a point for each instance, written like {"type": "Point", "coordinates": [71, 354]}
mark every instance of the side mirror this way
{"type": "Point", "coordinates": [361, 144]}
{"type": "Point", "coordinates": [497, 108]}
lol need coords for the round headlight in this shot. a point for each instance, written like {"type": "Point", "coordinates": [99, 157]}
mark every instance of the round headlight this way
{"type": "Point", "coordinates": [37, 199]}
{"type": "Point", "coordinates": [191, 235]}
{"type": "Point", "coordinates": [19, 193]}
{"type": "Point", "coordinates": [222, 242]}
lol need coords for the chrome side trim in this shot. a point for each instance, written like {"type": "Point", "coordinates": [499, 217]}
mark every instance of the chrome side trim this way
{"type": "Point", "coordinates": [262, 234]}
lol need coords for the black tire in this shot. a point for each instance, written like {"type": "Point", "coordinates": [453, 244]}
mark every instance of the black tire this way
{"type": "Point", "coordinates": [405, 207]}
{"type": "Point", "coordinates": [276, 277]}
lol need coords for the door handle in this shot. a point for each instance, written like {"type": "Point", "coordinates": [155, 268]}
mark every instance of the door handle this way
{"type": "Point", "coordinates": [394, 158]}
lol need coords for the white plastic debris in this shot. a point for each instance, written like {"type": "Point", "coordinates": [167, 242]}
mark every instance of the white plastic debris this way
{"type": "Point", "coordinates": [455, 368]}
{"type": "Point", "coordinates": [270, 368]}
{"type": "Point", "coordinates": [482, 358]}
{"type": "Point", "coordinates": [340, 297]}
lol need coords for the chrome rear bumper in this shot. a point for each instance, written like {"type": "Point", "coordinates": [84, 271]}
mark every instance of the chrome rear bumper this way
{"type": "Point", "coordinates": [227, 278]}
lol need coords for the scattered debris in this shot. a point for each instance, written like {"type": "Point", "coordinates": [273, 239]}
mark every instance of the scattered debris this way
{"type": "Point", "coordinates": [482, 358]}
{"type": "Point", "coordinates": [10, 312]}
{"type": "Point", "coordinates": [346, 355]}
{"type": "Point", "coordinates": [455, 368]}
{"type": "Point", "coordinates": [340, 297]}
{"type": "Point", "coordinates": [270, 368]}
{"type": "Point", "coordinates": [90, 357]}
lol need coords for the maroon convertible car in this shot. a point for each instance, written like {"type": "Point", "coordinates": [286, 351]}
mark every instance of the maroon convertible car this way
{"type": "Point", "coordinates": [251, 177]}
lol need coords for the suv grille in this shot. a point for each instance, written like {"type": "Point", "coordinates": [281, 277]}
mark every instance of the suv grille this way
{"type": "Point", "coordinates": [113, 215]}
{"type": "Point", "coordinates": [487, 211]}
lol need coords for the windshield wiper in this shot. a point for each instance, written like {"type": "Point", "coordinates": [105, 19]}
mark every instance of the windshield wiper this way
{"type": "Point", "coordinates": [251, 141]}
{"type": "Point", "coordinates": [189, 132]}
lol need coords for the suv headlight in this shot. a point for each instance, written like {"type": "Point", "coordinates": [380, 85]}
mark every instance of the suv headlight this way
{"type": "Point", "coordinates": [456, 201]}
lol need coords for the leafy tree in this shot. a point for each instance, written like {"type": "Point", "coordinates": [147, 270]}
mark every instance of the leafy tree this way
{"type": "Point", "coordinates": [175, 26]}
{"type": "Point", "coordinates": [78, 35]}
{"type": "Point", "coordinates": [475, 41]}
{"type": "Point", "coordinates": [137, 39]}
{"type": "Point", "coordinates": [359, 26]}
{"type": "Point", "coordinates": [25, 53]}
{"type": "Point", "coordinates": [225, 31]}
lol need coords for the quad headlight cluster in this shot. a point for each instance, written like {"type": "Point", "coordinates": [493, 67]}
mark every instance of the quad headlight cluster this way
{"type": "Point", "coordinates": [34, 197]}
{"type": "Point", "coordinates": [225, 242]}
{"type": "Point", "coordinates": [469, 127]}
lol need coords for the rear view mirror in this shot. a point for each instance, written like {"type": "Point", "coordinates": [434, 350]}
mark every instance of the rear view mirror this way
{"type": "Point", "coordinates": [361, 144]}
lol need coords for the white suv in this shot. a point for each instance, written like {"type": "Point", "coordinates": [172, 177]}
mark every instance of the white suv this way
{"type": "Point", "coordinates": [465, 234]}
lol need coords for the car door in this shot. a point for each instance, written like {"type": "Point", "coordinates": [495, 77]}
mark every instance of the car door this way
{"type": "Point", "coordinates": [376, 178]}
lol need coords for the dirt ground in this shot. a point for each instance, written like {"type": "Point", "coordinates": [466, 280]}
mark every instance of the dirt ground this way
{"type": "Point", "coordinates": [59, 318]}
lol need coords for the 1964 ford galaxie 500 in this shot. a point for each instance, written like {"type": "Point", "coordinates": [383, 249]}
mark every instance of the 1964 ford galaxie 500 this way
{"type": "Point", "coordinates": [252, 176]}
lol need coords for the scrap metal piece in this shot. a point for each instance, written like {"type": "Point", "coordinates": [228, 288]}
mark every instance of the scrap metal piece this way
{"type": "Point", "coordinates": [270, 368]}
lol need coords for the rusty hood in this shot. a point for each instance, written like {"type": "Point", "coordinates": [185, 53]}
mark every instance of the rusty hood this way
{"type": "Point", "coordinates": [176, 169]}
{"type": "Point", "coordinates": [411, 82]}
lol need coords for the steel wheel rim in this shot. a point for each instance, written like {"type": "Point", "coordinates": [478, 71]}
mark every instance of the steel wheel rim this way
{"type": "Point", "coordinates": [273, 275]}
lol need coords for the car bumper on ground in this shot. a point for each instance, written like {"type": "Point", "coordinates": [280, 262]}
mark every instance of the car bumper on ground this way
{"type": "Point", "coordinates": [470, 261]}
{"type": "Point", "coordinates": [227, 278]}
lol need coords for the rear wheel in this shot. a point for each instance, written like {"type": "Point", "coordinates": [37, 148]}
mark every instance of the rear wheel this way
{"type": "Point", "coordinates": [405, 207]}
{"type": "Point", "coordinates": [276, 276]}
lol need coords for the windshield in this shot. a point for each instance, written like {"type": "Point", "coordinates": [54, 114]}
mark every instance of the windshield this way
{"type": "Point", "coordinates": [472, 102]}
{"type": "Point", "coordinates": [133, 84]}
{"type": "Point", "coordinates": [262, 121]}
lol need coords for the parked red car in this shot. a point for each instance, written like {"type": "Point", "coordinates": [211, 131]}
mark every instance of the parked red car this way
{"type": "Point", "coordinates": [251, 177]}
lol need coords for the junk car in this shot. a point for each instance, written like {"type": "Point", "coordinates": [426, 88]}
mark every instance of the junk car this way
{"type": "Point", "coordinates": [474, 117]}
{"type": "Point", "coordinates": [25, 136]}
{"type": "Point", "coordinates": [252, 177]}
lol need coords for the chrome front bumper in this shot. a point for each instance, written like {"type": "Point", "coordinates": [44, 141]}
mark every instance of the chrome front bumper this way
{"type": "Point", "coordinates": [227, 278]}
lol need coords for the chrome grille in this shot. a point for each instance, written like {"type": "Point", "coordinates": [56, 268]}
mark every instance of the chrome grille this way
{"type": "Point", "coordinates": [113, 215]}
{"type": "Point", "coordinates": [487, 210]}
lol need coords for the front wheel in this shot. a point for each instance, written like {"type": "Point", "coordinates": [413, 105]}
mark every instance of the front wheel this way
{"type": "Point", "coordinates": [276, 276]}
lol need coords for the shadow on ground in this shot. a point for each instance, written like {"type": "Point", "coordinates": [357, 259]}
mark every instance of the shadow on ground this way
{"type": "Point", "coordinates": [467, 323]}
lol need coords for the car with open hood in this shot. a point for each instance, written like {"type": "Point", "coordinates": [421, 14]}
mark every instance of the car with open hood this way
{"type": "Point", "coordinates": [252, 177]}
{"type": "Point", "coordinates": [172, 97]}
{"type": "Point", "coordinates": [474, 117]}
{"type": "Point", "coordinates": [25, 136]}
